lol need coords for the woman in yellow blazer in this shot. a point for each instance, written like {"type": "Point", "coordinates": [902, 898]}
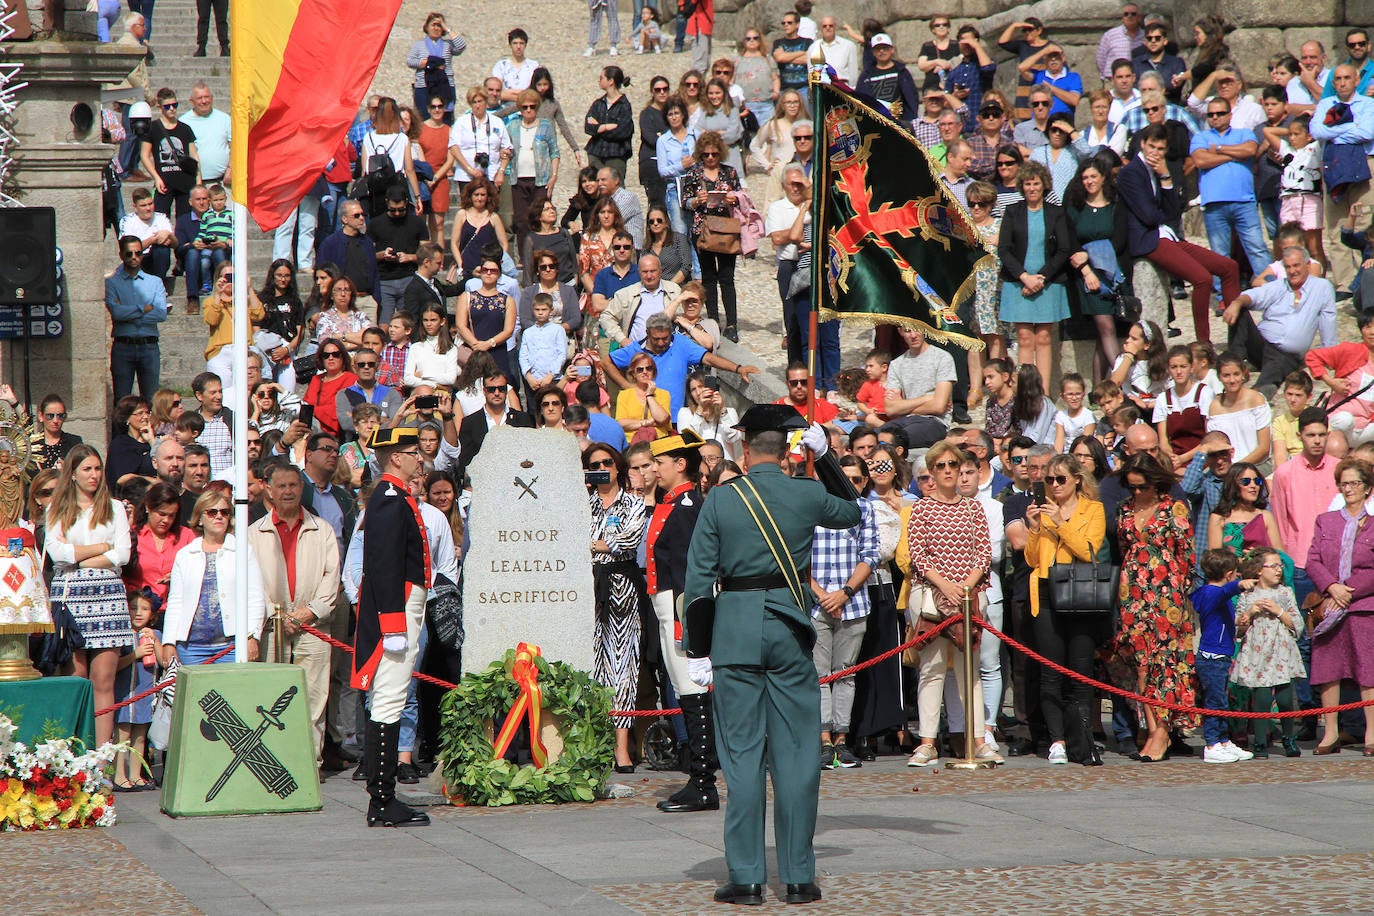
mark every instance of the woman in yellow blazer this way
{"type": "Point", "coordinates": [1070, 527]}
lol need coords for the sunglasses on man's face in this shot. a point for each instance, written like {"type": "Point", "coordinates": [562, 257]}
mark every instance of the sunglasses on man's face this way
{"type": "Point", "coordinates": [600, 464]}
{"type": "Point", "coordinates": [1040, 104]}
{"type": "Point", "coordinates": [494, 389]}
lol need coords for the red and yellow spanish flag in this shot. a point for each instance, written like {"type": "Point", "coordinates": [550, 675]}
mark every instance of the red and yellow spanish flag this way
{"type": "Point", "coordinates": [300, 69]}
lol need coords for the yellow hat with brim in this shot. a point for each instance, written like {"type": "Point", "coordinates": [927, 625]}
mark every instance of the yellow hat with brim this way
{"type": "Point", "coordinates": [675, 443]}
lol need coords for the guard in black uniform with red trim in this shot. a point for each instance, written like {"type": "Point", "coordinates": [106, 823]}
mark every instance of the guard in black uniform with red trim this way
{"type": "Point", "coordinates": [391, 613]}
{"type": "Point", "coordinates": [677, 459]}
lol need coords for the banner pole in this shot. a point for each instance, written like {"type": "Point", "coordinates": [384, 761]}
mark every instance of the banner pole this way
{"type": "Point", "coordinates": [814, 73]}
{"type": "Point", "coordinates": [237, 394]}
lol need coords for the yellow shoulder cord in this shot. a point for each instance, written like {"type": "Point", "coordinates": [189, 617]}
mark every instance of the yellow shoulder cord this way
{"type": "Point", "coordinates": [778, 548]}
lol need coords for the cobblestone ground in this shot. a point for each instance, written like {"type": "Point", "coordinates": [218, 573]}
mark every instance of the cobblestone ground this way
{"type": "Point", "coordinates": [1177, 886]}
{"type": "Point", "coordinates": [1177, 837]}
{"type": "Point", "coordinates": [62, 872]}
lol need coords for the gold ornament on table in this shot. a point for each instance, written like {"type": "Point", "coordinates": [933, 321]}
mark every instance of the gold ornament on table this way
{"type": "Point", "coordinates": [23, 596]}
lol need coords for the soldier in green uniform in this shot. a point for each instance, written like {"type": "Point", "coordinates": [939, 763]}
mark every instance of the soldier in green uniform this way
{"type": "Point", "coordinates": [752, 546]}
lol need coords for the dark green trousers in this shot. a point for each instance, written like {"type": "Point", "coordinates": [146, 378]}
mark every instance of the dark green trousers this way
{"type": "Point", "coordinates": [770, 714]}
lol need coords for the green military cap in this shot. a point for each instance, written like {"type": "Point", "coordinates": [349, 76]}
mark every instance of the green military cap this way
{"type": "Point", "coordinates": [674, 443]}
{"type": "Point", "coordinates": [771, 417]}
{"type": "Point", "coordinates": [397, 435]}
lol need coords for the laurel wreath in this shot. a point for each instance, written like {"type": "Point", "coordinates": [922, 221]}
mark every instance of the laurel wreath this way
{"type": "Point", "coordinates": [472, 772]}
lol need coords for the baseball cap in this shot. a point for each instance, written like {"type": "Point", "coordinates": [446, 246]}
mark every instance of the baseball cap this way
{"type": "Point", "coordinates": [882, 38]}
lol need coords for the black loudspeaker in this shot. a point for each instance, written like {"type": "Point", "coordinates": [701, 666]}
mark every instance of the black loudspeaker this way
{"type": "Point", "coordinates": [28, 256]}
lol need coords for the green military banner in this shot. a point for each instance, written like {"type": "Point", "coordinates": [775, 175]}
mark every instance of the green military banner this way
{"type": "Point", "coordinates": [899, 247]}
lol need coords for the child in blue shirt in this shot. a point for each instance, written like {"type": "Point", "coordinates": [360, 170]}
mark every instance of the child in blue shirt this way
{"type": "Point", "coordinates": [1217, 629]}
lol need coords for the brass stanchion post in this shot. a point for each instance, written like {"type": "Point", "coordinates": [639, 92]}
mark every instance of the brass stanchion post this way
{"type": "Point", "coordinates": [969, 762]}
{"type": "Point", "coordinates": [278, 634]}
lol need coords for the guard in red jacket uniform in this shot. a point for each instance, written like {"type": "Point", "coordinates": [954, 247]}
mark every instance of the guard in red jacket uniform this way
{"type": "Point", "coordinates": [677, 460]}
{"type": "Point", "coordinates": [391, 613]}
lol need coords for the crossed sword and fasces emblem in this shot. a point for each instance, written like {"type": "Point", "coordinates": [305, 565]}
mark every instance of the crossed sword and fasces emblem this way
{"type": "Point", "coordinates": [222, 723]}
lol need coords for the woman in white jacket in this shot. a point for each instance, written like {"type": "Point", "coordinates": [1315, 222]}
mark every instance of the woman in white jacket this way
{"type": "Point", "coordinates": [200, 617]}
{"type": "Point", "coordinates": [432, 358]}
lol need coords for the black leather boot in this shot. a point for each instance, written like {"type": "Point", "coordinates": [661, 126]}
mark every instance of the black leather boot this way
{"type": "Point", "coordinates": [385, 810]}
{"type": "Point", "coordinates": [1093, 757]}
{"type": "Point", "coordinates": [700, 792]}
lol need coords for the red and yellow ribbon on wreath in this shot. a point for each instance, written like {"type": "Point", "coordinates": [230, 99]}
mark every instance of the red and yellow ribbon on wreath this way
{"type": "Point", "coordinates": [525, 673]}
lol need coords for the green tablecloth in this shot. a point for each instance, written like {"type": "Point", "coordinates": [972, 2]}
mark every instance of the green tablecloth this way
{"type": "Point", "coordinates": [67, 702]}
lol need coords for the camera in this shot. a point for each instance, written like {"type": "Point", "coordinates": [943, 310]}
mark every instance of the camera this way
{"type": "Point", "coordinates": [482, 161]}
{"type": "Point", "coordinates": [710, 381]}
{"type": "Point", "coordinates": [597, 478]}
{"type": "Point", "coordinates": [427, 402]}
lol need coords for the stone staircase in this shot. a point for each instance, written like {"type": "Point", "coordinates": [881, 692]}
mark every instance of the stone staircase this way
{"type": "Point", "coordinates": [173, 42]}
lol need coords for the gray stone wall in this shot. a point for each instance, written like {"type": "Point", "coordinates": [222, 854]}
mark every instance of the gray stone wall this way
{"type": "Point", "coordinates": [1263, 26]}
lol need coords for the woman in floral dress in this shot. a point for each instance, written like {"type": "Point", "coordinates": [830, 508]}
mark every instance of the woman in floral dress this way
{"type": "Point", "coordinates": [1152, 651]}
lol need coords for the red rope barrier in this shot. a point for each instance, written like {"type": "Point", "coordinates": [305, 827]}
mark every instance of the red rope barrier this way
{"type": "Point", "coordinates": [158, 686]}
{"type": "Point", "coordinates": [1164, 704]}
{"type": "Point", "coordinates": [918, 640]}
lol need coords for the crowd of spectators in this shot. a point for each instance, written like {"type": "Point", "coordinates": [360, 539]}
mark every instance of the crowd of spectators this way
{"type": "Point", "coordinates": [604, 316]}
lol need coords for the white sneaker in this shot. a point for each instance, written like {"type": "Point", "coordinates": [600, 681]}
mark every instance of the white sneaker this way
{"type": "Point", "coordinates": [658, 49]}
{"type": "Point", "coordinates": [1218, 753]}
{"type": "Point", "coordinates": [1058, 754]}
{"type": "Point", "coordinates": [614, 52]}
{"type": "Point", "coordinates": [1239, 752]}
{"type": "Point", "coordinates": [639, 49]}
{"type": "Point", "coordinates": [590, 52]}
{"type": "Point", "coordinates": [991, 742]}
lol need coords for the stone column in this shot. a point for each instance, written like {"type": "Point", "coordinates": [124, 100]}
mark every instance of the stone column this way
{"type": "Point", "coordinates": [58, 166]}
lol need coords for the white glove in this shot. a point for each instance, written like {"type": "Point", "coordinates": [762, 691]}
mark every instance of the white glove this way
{"type": "Point", "coordinates": [699, 670]}
{"type": "Point", "coordinates": [816, 439]}
{"type": "Point", "coordinates": [394, 643]}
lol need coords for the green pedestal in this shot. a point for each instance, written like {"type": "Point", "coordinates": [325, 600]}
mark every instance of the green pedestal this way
{"type": "Point", "coordinates": [67, 704]}
{"type": "Point", "coordinates": [241, 742]}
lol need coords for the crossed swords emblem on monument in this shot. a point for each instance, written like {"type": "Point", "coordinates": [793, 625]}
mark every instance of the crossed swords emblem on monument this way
{"type": "Point", "coordinates": [222, 723]}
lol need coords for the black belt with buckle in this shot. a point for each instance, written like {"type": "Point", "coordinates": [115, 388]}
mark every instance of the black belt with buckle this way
{"type": "Point", "coordinates": [758, 583]}
{"type": "Point", "coordinates": [136, 340]}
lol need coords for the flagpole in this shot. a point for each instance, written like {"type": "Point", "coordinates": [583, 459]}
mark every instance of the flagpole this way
{"type": "Point", "coordinates": [813, 78]}
{"type": "Point", "coordinates": [237, 393]}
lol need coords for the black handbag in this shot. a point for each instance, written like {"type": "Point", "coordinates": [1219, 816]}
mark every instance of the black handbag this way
{"type": "Point", "coordinates": [1126, 307]}
{"type": "Point", "coordinates": [446, 613]}
{"type": "Point", "coordinates": [1080, 588]}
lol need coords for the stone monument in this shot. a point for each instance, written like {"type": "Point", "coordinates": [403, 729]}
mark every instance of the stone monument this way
{"type": "Point", "coordinates": [527, 576]}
